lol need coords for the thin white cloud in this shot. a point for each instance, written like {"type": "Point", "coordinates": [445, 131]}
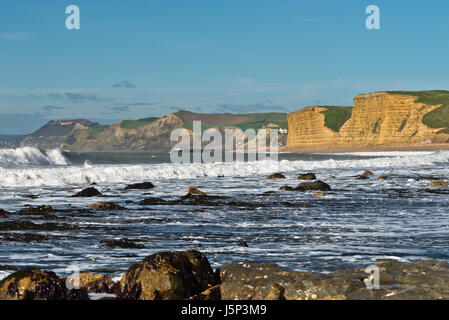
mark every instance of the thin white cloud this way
{"type": "Point", "coordinates": [11, 36]}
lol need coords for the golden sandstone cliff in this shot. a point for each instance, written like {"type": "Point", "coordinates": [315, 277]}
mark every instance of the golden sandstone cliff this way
{"type": "Point", "coordinates": [377, 119]}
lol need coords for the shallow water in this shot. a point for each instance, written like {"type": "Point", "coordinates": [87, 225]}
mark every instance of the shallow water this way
{"type": "Point", "coordinates": [352, 226]}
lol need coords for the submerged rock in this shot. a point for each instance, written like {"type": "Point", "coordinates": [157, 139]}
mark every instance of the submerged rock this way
{"type": "Point", "coordinates": [438, 183]}
{"type": "Point", "coordinates": [3, 213]}
{"type": "Point", "coordinates": [36, 285]}
{"type": "Point", "coordinates": [153, 201]}
{"type": "Point", "coordinates": [140, 186]}
{"type": "Point", "coordinates": [105, 206]}
{"type": "Point", "coordinates": [313, 186]}
{"type": "Point", "coordinates": [168, 276]}
{"type": "Point", "coordinates": [243, 244]}
{"type": "Point", "coordinates": [23, 237]}
{"type": "Point", "coordinates": [88, 192]}
{"type": "Point", "coordinates": [122, 243]}
{"type": "Point", "coordinates": [307, 176]}
{"type": "Point", "coordinates": [276, 176]}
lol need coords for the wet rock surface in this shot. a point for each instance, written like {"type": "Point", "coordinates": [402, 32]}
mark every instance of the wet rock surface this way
{"type": "Point", "coordinates": [194, 191]}
{"type": "Point", "coordinates": [397, 280]}
{"type": "Point", "coordinates": [307, 176]}
{"type": "Point", "coordinates": [313, 186]}
{"type": "Point", "coordinates": [106, 206]}
{"type": "Point", "coordinates": [167, 276]}
{"type": "Point", "coordinates": [438, 183]}
{"type": "Point", "coordinates": [88, 192]}
{"type": "Point", "coordinates": [276, 175]}
{"type": "Point", "coordinates": [140, 186]}
{"type": "Point", "coordinates": [122, 243]}
{"type": "Point", "coordinates": [188, 275]}
{"type": "Point", "coordinates": [37, 285]}
{"type": "Point", "coordinates": [95, 283]}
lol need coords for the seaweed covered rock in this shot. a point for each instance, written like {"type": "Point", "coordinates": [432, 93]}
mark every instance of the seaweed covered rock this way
{"type": "Point", "coordinates": [37, 285]}
{"type": "Point", "coordinates": [313, 186]}
{"type": "Point", "coordinates": [140, 186]}
{"type": "Point", "coordinates": [88, 192]}
{"type": "Point", "coordinates": [168, 276]}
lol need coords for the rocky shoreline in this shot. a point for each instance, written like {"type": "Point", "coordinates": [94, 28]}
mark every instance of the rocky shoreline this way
{"type": "Point", "coordinates": [187, 275]}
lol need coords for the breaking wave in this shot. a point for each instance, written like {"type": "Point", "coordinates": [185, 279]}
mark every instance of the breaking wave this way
{"type": "Point", "coordinates": [77, 175]}
{"type": "Point", "coordinates": [32, 156]}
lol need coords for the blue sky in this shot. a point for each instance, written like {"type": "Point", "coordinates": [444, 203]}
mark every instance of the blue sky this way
{"type": "Point", "coordinates": [141, 58]}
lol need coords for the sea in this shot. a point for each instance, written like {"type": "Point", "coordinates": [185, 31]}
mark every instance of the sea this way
{"type": "Point", "coordinates": [358, 222]}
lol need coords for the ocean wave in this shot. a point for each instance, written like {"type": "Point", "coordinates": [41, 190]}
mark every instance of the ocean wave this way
{"type": "Point", "coordinates": [77, 175]}
{"type": "Point", "coordinates": [32, 156]}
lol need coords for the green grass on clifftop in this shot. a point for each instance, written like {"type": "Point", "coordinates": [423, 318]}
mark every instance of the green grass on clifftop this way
{"type": "Point", "coordinates": [438, 118]}
{"type": "Point", "coordinates": [133, 124]}
{"type": "Point", "coordinates": [336, 117]}
{"type": "Point", "coordinates": [254, 121]}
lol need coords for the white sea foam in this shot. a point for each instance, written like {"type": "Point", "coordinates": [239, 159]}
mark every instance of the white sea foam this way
{"type": "Point", "coordinates": [32, 156]}
{"type": "Point", "coordinates": [76, 175]}
{"type": "Point", "coordinates": [4, 274]}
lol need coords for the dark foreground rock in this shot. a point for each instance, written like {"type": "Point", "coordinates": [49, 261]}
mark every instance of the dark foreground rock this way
{"type": "Point", "coordinates": [313, 186]}
{"type": "Point", "coordinates": [88, 192]}
{"type": "Point", "coordinates": [95, 283]}
{"type": "Point", "coordinates": [37, 285]}
{"type": "Point", "coordinates": [188, 275]}
{"type": "Point", "coordinates": [168, 276]}
{"type": "Point", "coordinates": [140, 186]}
{"type": "Point", "coordinates": [421, 280]}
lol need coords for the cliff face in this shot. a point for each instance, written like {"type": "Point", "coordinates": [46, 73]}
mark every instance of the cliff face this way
{"type": "Point", "coordinates": [55, 133]}
{"type": "Point", "coordinates": [380, 118]}
{"type": "Point", "coordinates": [306, 127]}
{"type": "Point", "coordinates": [144, 136]}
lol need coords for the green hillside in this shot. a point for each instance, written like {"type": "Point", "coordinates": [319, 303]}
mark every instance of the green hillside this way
{"type": "Point", "coordinates": [438, 118]}
{"type": "Point", "coordinates": [243, 121]}
{"type": "Point", "coordinates": [335, 117]}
